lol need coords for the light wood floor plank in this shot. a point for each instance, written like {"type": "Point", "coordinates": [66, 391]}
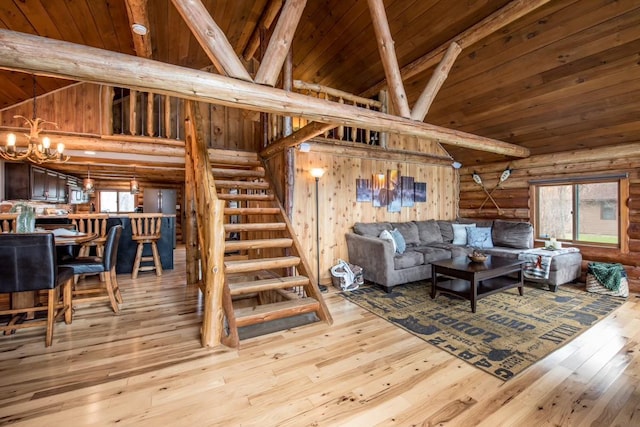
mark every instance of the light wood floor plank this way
{"type": "Point", "coordinates": [146, 367]}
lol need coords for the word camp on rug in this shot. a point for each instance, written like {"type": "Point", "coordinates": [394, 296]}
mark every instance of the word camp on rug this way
{"type": "Point", "coordinates": [506, 335]}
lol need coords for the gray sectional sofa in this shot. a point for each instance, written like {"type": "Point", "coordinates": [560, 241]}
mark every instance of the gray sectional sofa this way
{"type": "Point", "coordinates": [433, 240]}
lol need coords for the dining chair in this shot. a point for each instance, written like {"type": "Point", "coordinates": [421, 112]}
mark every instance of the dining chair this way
{"type": "Point", "coordinates": [91, 223]}
{"type": "Point", "coordinates": [146, 229]}
{"type": "Point", "coordinates": [8, 222]}
{"type": "Point", "coordinates": [94, 265]}
{"type": "Point", "coordinates": [28, 266]}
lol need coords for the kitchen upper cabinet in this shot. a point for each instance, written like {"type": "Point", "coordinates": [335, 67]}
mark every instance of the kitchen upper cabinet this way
{"type": "Point", "coordinates": [28, 182]}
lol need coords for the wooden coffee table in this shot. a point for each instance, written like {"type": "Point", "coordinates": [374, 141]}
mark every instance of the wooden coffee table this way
{"type": "Point", "coordinates": [475, 280]}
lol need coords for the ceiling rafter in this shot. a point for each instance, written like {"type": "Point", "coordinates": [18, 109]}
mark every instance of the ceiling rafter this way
{"type": "Point", "coordinates": [139, 14]}
{"type": "Point", "coordinates": [211, 38]}
{"type": "Point", "coordinates": [280, 42]}
{"type": "Point", "coordinates": [265, 22]}
{"type": "Point", "coordinates": [388, 57]}
{"type": "Point", "coordinates": [492, 23]}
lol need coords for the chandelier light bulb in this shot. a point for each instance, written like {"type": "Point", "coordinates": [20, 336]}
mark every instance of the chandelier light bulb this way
{"type": "Point", "coordinates": [60, 147]}
{"type": "Point", "coordinates": [11, 140]}
{"type": "Point", "coordinates": [46, 142]}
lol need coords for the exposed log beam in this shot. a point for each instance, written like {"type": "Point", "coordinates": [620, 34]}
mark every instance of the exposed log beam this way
{"type": "Point", "coordinates": [388, 56]}
{"type": "Point", "coordinates": [492, 23]}
{"type": "Point", "coordinates": [138, 14]}
{"type": "Point", "coordinates": [267, 18]}
{"type": "Point", "coordinates": [44, 56]}
{"type": "Point", "coordinates": [280, 42]}
{"type": "Point", "coordinates": [422, 105]}
{"type": "Point", "coordinates": [211, 38]}
{"type": "Point", "coordinates": [311, 130]}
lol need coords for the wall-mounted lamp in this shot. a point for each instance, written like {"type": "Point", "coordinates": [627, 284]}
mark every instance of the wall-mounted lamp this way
{"type": "Point", "coordinates": [317, 174]}
{"type": "Point", "coordinates": [456, 165]}
{"type": "Point", "coordinates": [139, 29]}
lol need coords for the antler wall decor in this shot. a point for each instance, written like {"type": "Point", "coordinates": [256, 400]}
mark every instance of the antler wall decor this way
{"type": "Point", "coordinates": [503, 177]}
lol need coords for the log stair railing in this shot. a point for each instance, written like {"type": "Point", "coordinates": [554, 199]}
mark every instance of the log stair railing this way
{"type": "Point", "coordinates": [267, 277]}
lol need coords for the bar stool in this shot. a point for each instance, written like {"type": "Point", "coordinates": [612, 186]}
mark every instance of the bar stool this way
{"type": "Point", "coordinates": [145, 229]}
{"type": "Point", "coordinates": [91, 223]}
{"type": "Point", "coordinates": [8, 222]}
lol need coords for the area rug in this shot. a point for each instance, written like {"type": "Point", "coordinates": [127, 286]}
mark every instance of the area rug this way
{"type": "Point", "coordinates": [507, 333]}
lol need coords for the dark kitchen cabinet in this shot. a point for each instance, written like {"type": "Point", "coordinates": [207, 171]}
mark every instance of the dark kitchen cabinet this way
{"type": "Point", "coordinates": [27, 182]}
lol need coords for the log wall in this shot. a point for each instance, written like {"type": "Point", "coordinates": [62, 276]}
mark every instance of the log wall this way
{"type": "Point", "coordinates": [516, 201]}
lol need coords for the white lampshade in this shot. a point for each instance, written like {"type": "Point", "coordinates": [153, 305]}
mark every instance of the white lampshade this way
{"type": "Point", "coordinates": [317, 173]}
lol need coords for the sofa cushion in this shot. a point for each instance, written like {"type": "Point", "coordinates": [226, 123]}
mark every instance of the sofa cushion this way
{"type": "Point", "coordinates": [371, 229]}
{"type": "Point", "coordinates": [512, 234]}
{"type": "Point", "coordinates": [455, 250]}
{"type": "Point", "coordinates": [409, 231]}
{"type": "Point", "coordinates": [428, 231]}
{"type": "Point", "coordinates": [446, 231]}
{"type": "Point", "coordinates": [401, 245]}
{"type": "Point", "coordinates": [479, 237]}
{"type": "Point", "coordinates": [431, 253]}
{"type": "Point", "coordinates": [460, 233]}
{"type": "Point", "coordinates": [407, 260]}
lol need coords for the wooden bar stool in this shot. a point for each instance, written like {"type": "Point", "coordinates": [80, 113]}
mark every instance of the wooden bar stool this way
{"type": "Point", "coordinates": [8, 222]}
{"type": "Point", "coordinates": [91, 223]}
{"type": "Point", "coordinates": [145, 229]}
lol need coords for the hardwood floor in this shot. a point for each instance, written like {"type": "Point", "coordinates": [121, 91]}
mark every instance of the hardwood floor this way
{"type": "Point", "coordinates": [146, 368]}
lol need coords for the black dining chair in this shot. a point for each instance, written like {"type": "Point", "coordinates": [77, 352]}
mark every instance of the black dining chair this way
{"type": "Point", "coordinates": [28, 265]}
{"type": "Point", "coordinates": [95, 265]}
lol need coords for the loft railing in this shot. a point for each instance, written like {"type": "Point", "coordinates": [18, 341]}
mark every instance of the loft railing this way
{"type": "Point", "coordinates": [275, 125]}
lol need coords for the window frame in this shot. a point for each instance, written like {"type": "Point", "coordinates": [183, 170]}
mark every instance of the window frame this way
{"type": "Point", "coordinates": [106, 190]}
{"type": "Point", "coordinates": [623, 211]}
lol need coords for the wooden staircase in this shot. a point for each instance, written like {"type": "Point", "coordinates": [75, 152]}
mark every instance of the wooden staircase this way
{"type": "Point", "coordinates": [266, 275]}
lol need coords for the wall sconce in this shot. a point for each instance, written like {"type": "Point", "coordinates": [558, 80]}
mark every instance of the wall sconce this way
{"type": "Point", "coordinates": [304, 147]}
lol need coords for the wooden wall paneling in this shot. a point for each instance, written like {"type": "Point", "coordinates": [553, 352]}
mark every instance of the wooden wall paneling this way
{"type": "Point", "coordinates": [339, 209]}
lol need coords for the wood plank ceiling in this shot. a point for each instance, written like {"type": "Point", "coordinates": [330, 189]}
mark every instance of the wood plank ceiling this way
{"type": "Point", "coordinates": [563, 77]}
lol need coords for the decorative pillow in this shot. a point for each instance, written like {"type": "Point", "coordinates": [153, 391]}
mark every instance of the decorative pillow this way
{"type": "Point", "coordinates": [386, 235]}
{"type": "Point", "coordinates": [479, 237]}
{"type": "Point", "coordinates": [401, 245]}
{"type": "Point", "coordinates": [460, 233]}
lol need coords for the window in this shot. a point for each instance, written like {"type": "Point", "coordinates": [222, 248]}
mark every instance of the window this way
{"type": "Point", "coordinates": [117, 201]}
{"type": "Point", "coordinates": [580, 212]}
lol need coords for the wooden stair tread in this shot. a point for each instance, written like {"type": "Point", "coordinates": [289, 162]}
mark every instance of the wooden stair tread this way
{"type": "Point", "coordinates": [263, 313]}
{"type": "Point", "coordinates": [251, 185]}
{"type": "Point", "coordinates": [248, 287]}
{"type": "Point", "coordinates": [255, 226]}
{"type": "Point", "coordinates": [251, 211]}
{"type": "Point", "coordinates": [243, 266]}
{"type": "Point", "coordinates": [243, 197]}
{"type": "Point", "coordinates": [238, 245]}
{"type": "Point", "coordinates": [237, 173]}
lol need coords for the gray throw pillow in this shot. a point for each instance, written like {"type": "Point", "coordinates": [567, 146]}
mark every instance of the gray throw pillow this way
{"type": "Point", "coordinates": [512, 234]}
{"type": "Point", "coordinates": [371, 229]}
{"type": "Point", "coordinates": [409, 231]}
{"type": "Point", "coordinates": [429, 232]}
